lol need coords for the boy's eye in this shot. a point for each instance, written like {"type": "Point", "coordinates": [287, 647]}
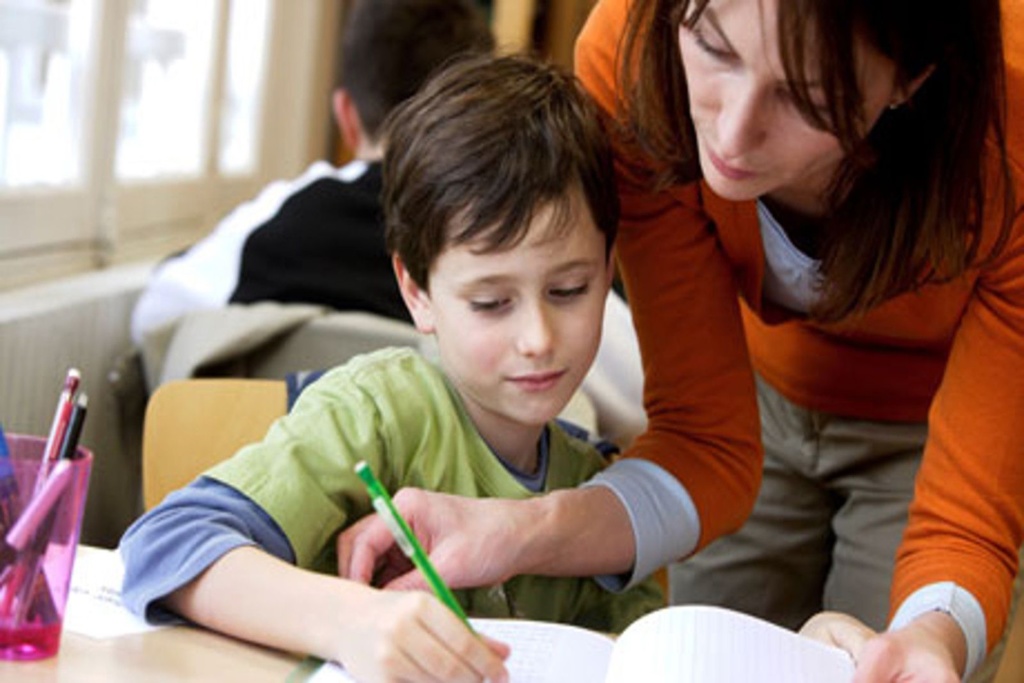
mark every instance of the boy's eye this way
{"type": "Point", "coordinates": [486, 305]}
{"type": "Point", "coordinates": [569, 292]}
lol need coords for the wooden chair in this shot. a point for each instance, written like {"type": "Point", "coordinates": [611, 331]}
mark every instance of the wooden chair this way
{"type": "Point", "coordinates": [195, 423]}
{"type": "Point", "coordinates": [1011, 669]}
{"type": "Point", "coordinates": [191, 424]}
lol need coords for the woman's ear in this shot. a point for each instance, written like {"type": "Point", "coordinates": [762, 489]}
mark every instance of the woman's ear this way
{"type": "Point", "coordinates": [417, 300]}
{"type": "Point", "coordinates": [903, 94]}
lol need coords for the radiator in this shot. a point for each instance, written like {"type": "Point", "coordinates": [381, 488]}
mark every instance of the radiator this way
{"type": "Point", "coordinates": [80, 322]}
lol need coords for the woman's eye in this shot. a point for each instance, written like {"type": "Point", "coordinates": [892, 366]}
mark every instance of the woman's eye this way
{"type": "Point", "coordinates": [703, 44]}
{"type": "Point", "coordinates": [569, 292]}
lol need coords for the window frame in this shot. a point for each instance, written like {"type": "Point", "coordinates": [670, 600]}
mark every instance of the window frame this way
{"type": "Point", "coordinates": [53, 232]}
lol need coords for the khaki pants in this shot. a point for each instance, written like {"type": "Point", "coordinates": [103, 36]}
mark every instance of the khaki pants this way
{"type": "Point", "coordinates": [828, 519]}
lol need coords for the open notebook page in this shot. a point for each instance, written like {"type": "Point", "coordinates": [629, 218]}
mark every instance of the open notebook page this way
{"type": "Point", "coordinates": [541, 653]}
{"type": "Point", "coordinates": [700, 643]}
{"type": "Point", "coordinates": [550, 653]}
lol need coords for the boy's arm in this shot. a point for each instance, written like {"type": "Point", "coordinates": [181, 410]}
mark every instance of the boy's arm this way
{"type": "Point", "coordinates": [376, 634]}
{"type": "Point", "coordinates": [177, 540]}
{"type": "Point", "coordinates": [210, 554]}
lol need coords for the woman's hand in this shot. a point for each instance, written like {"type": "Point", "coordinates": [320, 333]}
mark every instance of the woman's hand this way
{"type": "Point", "coordinates": [930, 649]}
{"type": "Point", "coordinates": [411, 636]}
{"type": "Point", "coordinates": [470, 542]}
{"type": "Point", "coordinates": [482, 541]}
{"type": "Point", "coordinates": [839, 630]}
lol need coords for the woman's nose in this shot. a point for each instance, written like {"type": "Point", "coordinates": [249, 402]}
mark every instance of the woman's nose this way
{"type": "Point", "coordinates": [741, 121]}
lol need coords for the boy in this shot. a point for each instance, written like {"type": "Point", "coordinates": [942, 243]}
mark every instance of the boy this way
{"type": "Point", "coordinates": [500, 213]}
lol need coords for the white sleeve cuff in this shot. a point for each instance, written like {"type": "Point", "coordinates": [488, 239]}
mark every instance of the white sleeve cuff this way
{"type": "Point", "coordinates": [665, 522]}
{"type": "Point", "coordinates": [958, 603]}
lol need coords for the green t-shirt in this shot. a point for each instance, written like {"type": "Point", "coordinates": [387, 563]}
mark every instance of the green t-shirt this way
{"type": "Point", "coordinates": [395, 410]}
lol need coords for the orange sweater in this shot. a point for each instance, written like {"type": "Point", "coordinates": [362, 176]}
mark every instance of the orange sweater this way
{"type": "Point", "coordinates": [952, 354]}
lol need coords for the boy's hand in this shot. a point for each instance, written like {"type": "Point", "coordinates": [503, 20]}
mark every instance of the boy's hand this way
{"type": "Point", "coordinates": [464, 538]}
{"type": "Point", "coordinates": [925, 651]}
{"type": "Point", "coordinates": [411, 636]}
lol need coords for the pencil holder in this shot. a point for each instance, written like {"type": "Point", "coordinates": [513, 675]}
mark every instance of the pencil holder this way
{"type": "Point", "coordinates": [41, 510]}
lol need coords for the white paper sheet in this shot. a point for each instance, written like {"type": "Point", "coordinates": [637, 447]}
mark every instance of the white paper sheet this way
{"type": "Point", "coordinates": [94, 601]}
{"type": "Point", "coordinates": [541, 653]}
{"type": "Point", "coordinates": [712, 645]}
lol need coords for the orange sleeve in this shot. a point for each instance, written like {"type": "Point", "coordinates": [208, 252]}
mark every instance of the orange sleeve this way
{"type": "Point", "coordinates": [967, 520]}
{"type": "Point", "coordinates": [698, 385]}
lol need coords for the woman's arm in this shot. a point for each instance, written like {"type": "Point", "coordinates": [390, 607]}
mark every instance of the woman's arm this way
{"type": "Point", "coordinates": [478, 542]}
{"type": "Point", "coordinates": [966, 522]}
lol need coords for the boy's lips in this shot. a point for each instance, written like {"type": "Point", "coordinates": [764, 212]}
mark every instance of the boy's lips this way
{"type": "Point", "coordinates": [538, 381]}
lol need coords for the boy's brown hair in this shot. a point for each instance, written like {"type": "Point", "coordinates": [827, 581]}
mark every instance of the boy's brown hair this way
{"type": "Point", "coordinates": [481, 148]}
{"type": "Point", "coordinates": [390, 47]}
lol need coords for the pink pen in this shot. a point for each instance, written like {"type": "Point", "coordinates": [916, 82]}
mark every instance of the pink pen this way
{"type": "Point", "coordinates": [27, 525]}
{"type": "Point", "coordinates": [35, 521]}
{"type": "Point", "coordinates": [59, 427]}
{"type": "Point", "coordinates": [39, 506]}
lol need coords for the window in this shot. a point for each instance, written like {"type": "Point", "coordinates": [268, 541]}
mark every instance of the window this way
{"type": "Point", "coordinates": [165, 89]}
{"type": "Point", "coordinates": [127, 127]}
{"type": "Point", "coordinates": [43, 48]}
{"type": "Point", "coordinates": [240, 108]}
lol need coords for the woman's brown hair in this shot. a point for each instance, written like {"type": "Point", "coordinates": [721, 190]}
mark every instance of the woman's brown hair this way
{"type": "Point", "coordinates": [908, 204]}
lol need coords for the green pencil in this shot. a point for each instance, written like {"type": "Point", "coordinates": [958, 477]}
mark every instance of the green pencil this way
{"type": "Point", "coordinates": [406, 540]}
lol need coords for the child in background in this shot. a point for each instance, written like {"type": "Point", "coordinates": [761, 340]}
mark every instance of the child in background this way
{"type": "Point", "coordinates": [500, 212]}
{"type": "Point", "coordinates": [290, 243]}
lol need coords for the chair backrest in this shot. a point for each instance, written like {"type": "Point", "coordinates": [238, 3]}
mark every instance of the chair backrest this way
{"type": "Point", "coordinates": [266, 340]}
{"type": "Point", "coordinates": [1011, 669]}
{"type": "Point", "coordinates": [195, 423]}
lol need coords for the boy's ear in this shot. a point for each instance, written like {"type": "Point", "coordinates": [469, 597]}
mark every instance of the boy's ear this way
{"type": "Point", "coordinates": [347, 118]}
{"type": "Point", "coordinates": [416, 299]}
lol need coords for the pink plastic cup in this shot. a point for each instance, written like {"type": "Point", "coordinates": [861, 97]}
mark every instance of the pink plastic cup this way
{"type": "Point", "coordinates": [36, 558]}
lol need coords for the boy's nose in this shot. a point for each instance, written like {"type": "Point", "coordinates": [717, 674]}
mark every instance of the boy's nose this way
{"type": "Point", "coordinates": [535, 334]}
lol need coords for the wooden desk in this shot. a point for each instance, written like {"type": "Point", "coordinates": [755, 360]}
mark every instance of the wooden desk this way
{"type": "Point", "coordinates": [176, 653]}
{"type": "Point", "coordinates": [179, 653]}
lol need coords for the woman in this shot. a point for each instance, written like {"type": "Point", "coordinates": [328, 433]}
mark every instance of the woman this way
{"type": "Point", "coordinates": [823, 191]}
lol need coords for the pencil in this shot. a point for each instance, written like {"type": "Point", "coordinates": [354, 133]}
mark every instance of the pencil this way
{"type": "Point", "coordinates": [406, 540]}
{"type": "Point", "coordinates": [59, 427]}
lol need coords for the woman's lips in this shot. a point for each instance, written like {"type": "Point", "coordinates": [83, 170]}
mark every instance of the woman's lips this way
{"type": "Point", "coordinates": [730, 172]}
